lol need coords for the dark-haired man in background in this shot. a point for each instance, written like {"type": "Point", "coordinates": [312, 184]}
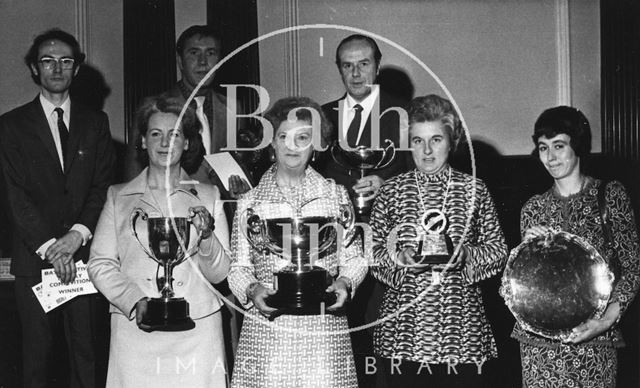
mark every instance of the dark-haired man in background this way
{"type": "Point", "coordinates": [358, 59]}
{"type": "Point", "coordinates": [58, 161]}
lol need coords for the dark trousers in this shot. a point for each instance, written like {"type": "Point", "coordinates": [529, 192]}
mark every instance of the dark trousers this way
{"type": "Point", "coordinates": [41, 331]}
{"type": "Point", "coordinates": [402, 373]}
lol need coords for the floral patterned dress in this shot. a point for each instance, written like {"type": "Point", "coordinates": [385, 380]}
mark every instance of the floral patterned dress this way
{"type": "Point", "coordinates": [292, 351]}
{"type": "Point", "coordinates": [547, 363]}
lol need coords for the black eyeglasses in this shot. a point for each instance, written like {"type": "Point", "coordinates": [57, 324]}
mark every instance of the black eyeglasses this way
{"type": "Point", "coordinates": [49, 63]}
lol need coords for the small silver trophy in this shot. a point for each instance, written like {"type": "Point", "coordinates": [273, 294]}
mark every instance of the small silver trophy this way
{"type": "Point", "coordinates": [168, 239]}
{"type": "Point", "coordinates": [364, 160]}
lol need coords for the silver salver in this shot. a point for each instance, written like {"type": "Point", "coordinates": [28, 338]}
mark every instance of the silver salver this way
{"type": "Point", "coordinates": [556, 282]}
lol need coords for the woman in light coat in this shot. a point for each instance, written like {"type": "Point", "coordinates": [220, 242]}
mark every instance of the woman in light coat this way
{"type": "Point", "coordinates": [122, 271]}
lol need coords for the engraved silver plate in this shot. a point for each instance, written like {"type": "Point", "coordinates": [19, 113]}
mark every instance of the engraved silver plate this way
{"type": "Point", "coordinates": [556, 282]}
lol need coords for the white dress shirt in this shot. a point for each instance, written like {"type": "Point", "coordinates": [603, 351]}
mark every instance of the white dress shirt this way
{"type": "Point", "coordinates": [52, 119]}
{"type": "Point", "coordinates": [348, 111]}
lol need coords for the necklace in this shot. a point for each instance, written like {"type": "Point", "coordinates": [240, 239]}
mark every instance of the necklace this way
{"type": "Point", "coordinates": [446, 192]}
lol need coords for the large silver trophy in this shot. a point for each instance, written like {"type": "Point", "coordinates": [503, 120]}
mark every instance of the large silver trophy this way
{"type": "Point", "coordinates": [363, 160]}
{"type": "Point", "coordinates": [556, 282]}
{"type": "Point", "coordinates": [168, 240]}
{"type": "Point", "coordinates": [300, 285]}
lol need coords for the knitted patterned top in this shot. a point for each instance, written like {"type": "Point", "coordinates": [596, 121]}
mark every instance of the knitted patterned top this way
{"type": "Point", "coordinates": [436, 317]}
{"type": "Point", "coordinates": [579, 214]}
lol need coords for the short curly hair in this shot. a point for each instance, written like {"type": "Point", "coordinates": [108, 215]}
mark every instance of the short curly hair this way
{"type": "Point", "coordinates": [280, 110]}
{"type": "Point", "coordinates": [31, 58]}
{"type": "Point", "coordinates": [568, 120]}
{"type": "Point", "coordinates": [435, 108]}
{"type": "Point", "coordinates": [191, 158]}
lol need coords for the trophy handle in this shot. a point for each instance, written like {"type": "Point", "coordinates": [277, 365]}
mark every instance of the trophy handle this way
{"type": "Point", "coordinates": [336, 159]}
{"type": "Point", "coordinates": [388, 154]}
{"type": "Point", "coordinates": [253, 229]}
{"type": "Point", "coordinates": [138, 212]}
{"type": "Point", "coordinates": [347, 220]}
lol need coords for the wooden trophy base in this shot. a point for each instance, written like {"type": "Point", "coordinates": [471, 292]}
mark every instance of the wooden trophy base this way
{"type": "Point", "coordinates": [168, 314]}
{"type": "Point", "coordinates": [301, 293]}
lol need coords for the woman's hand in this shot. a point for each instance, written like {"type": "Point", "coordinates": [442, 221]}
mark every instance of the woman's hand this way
{"type": "Point", "coordinates": [457, 261]}
{"type": "Point", "coordinates": [202, 221]}
{"type": "Point", "coordinates": [405, 259]}
{"type": "Point", "coordinates": [258, 293]}
{"type": "Point", "coordinates": [340, 287]}
{"type": "Point", "coordinates": [594, 327]}
{"type": "Point", "coordinates": [537, 231]}
{"type": "Point", "coordinates": [141, 309]}
{"type": "Point", "coordinates": [369, 186]}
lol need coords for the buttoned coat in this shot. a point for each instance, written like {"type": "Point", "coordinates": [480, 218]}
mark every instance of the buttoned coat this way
{"type": "Point", "coordinates": [124, 273]}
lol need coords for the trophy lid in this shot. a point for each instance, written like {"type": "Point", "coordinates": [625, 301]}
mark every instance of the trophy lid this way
{"type": "Point", "coordinates": [556, 282]}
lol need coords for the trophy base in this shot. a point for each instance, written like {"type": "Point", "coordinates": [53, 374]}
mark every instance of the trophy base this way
{"type": "Point", "coordinates": [433, 249]}
{"type": "Point", "coordinates": [170, 314]}
{"type": "Point", "coordinates": [301, 293]}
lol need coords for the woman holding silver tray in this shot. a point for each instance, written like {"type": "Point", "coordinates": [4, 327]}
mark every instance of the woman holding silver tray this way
{"type": "Point", "coordinates": [123, 271]}
{"type": "Point", "coordinates": [436, 235]}
{"type": "Point", "coordinates": [293, 350]}
{"type": "Point", "coordinates": [586, 357]}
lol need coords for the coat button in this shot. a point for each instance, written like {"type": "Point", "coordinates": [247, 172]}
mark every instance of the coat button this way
{"type": "Point", "coordinates": [180, 283]}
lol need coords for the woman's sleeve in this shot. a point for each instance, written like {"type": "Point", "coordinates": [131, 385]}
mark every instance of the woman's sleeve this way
{"type": "Point", "coordinates": [488, 254]}
{"type": "Point", "coordinates": [242, 272]}
{"type": "Point", "coordinates": [526, 216]}
{"type": "Point", "coordinates": [353, 264]}
{"type": "Point", "coordinates": [104, 264]}
{"type": "Point", "coordinates": [213, 256]}
{"type": "Point", "coordinates": [384, 267]}
{"type": "Point", "coordinates": [625, 237]}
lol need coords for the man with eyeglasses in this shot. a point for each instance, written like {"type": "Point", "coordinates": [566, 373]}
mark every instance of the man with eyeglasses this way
{"type": "Point", "coordinates": [358, 59]}
{"type": "Point", "coordinates": [58, 161]}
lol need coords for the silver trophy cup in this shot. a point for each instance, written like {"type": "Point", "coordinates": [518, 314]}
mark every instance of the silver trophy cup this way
{"type": "Point", "coordinates": [300, 285]}
{"type": "Point", "coordinates": [168, 239]}
{"type": "Point", "coordinates": [363, 160]}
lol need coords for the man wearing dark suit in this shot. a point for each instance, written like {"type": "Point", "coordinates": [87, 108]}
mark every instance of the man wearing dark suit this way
{"type": "Point", "coordinates": [58, 161]}
{"type": "Point", "coordinates": [358, 60]}
{"type": "Point", "coordinates": [198, 50]}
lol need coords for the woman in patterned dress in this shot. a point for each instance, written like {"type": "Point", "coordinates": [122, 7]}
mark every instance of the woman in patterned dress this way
{"type": "Point", "coordinates": [293, 350]}
{"type": "Point", "coordinates": [587, 358]}
{"type": "Point", "coordinates": [432, 319]}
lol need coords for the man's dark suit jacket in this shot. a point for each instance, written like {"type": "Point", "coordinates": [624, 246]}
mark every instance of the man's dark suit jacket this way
{"type": "Point", "coordinates": [44, 201]}
{"type": "Point", "coordinates": [389, 129]}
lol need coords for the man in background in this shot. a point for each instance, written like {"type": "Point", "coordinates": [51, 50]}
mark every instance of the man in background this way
{"type": "Point", "coordinates": [358, 60]}
{"type": "Point", "coordinates": [58, 161]}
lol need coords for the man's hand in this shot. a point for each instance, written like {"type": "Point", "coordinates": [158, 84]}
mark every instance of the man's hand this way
{"type": "Point", "coordinates": [66, 245]}
{"type": "Point", "coordinates": [237, 186]}
{"type": "Point", "coordinates": [65, 269]}
{"type": "Point", "coordinates": [60, 255]}
{"type": "Point", "coordinates": [369, 186]}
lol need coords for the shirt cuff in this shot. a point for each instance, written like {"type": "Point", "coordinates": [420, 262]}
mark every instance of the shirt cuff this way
{"type": "Point", "coordinates": [43, 248]}
{"type": "Point", "coordinates": [84, 231]}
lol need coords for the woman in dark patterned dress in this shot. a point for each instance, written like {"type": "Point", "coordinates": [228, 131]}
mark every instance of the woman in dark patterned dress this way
{"type": "Point", "coordinates": [293, 351]}
{"type": "Point", "coordinates": [432, 319]}
{"type": "Point", "coordinates": [587, 358]}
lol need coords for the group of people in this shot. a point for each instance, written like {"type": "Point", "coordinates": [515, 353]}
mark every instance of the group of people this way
{"type": "Point", "coordinates": [405, 323]}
